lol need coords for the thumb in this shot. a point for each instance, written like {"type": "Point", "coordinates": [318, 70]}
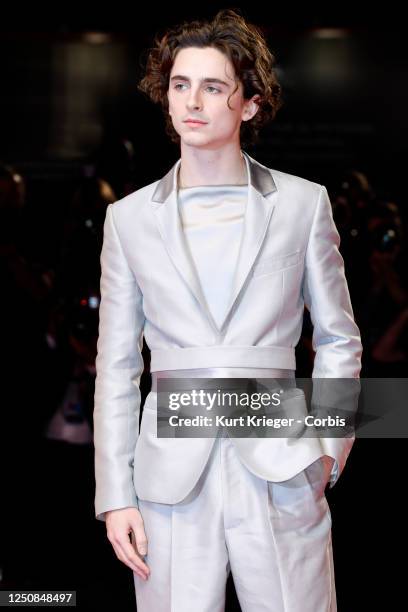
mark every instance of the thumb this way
{"type": "Point", "coordinates": [140, 538]}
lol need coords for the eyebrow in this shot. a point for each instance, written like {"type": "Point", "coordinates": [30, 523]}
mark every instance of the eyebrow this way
{"type": "Point", "coordinates": [180, 77]}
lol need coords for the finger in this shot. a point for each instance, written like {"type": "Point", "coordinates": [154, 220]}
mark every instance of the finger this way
{"type": "Point", "coordinates": [136, 567]}
{"type": "Point", "coordinates": [132, 557]}
{"type": "Point", "coordinates": [139, 540]}
{"type": "Point", "coordinates": [129, 557]}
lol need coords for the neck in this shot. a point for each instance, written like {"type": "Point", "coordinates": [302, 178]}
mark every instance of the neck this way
{"type": "Point", "coordinates": [198, 167]}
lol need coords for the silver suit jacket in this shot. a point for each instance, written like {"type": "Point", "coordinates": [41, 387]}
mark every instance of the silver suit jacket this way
{"type": "Point", "coordinates": [288, 258]}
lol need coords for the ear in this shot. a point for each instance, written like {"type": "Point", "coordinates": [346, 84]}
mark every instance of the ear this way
{"type": "Point", "coordinates": [251, 107]}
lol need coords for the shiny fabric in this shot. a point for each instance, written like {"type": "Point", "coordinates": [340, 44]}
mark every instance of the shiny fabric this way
{"type": "Point", "coordinates": [212, 218]}
{"type": "Point", "coordinates": [222, 373]}
{"type": "Point", "coordinates": [274, 537]}
{"type": "Point", "coordinates": [223, 356]}
{"type": "Point", "coordinates": [150, 289]}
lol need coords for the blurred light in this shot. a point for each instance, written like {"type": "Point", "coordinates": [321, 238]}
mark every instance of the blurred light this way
{"type": "Point", "coordinates": [51, 341]}
{"type": "Point", "coordinates": [93, 301]}
{"type": "Point", "coordinates": [329, 33]}
{"type": "Point", "coordinates": [97, 38]}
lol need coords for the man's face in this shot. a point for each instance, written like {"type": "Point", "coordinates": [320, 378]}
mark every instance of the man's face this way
{"type": "Point", "coordinates": [190, 96]}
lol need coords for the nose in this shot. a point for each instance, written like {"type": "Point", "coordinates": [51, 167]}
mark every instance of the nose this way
{"type": "Point", "coordinates": [194, 99]}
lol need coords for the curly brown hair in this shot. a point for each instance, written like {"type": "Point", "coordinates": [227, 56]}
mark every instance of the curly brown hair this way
{"type": "Point", "coordinates": [244, 45]}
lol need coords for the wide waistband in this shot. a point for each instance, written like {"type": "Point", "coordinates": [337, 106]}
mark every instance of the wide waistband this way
{"type": "Point", "coordinates": [220, 356]}
{"type": "Point", "coordinates": [227, 373]}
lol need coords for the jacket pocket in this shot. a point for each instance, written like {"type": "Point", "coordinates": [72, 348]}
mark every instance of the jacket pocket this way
{"type": "Point", "coordinates": [276, 263]}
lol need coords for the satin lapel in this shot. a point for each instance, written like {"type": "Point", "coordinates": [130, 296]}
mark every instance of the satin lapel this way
{"type": "Point", "coordinates": [257, 216]}
{"type": "Point", "coordinates": [171, 230]}
{"type": "Point", "coordinates": [256, 220]}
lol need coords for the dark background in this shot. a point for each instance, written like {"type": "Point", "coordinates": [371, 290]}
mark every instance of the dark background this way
{"type": "Point", "coordinates": [70, 111]}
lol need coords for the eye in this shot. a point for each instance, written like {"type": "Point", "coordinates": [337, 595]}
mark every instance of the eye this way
{"type": "Point", "coordinates": [178, 85]}
{"type": "Point", "coordinates": [214, 88]}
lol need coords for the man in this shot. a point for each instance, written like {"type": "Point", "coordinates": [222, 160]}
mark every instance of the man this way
{"type": "Point", "coordinates": [214, 263]}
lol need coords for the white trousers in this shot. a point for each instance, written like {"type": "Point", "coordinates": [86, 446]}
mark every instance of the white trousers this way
{"type": "Point", "coordinates": [275, 538]}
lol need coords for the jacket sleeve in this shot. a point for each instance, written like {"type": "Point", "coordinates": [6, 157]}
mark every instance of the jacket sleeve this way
{"type": "Point", "coordinates": [119, 365]}
{"type": "Point", "coordinates": [336, 337]}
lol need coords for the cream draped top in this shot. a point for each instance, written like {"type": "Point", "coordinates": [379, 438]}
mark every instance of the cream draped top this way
{"type": "Point", "coordinates": [212, 218]}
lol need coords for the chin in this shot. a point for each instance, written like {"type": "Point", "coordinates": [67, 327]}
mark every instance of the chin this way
{"type": "Point", "coordinates": [192, 139]}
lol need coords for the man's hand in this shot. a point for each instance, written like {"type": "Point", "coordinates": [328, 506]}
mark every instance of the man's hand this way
{"type": "Point", "coordinates": [327, 462]}
{"type": "Point", "coordinates": [119, 524]}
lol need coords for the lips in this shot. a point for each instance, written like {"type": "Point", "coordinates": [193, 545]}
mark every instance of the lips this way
{"type": "Point", "coordinates": [197, 121]}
